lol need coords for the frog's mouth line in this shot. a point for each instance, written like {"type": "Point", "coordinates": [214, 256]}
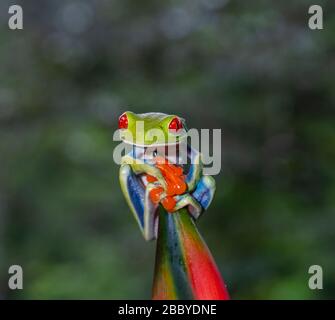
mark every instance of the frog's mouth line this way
{"type": "Point", "coordinates": [149, 154]}
{"type": "Point", "coordinates": [151, 145]}
{"type": "Point", "coordinates": [181, 139]}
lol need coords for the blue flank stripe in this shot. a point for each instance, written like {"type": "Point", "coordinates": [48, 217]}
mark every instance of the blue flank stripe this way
{"type": "Point", "coordinates": [136, 196]}
{"type": "Point", "coordinates": [190, 173]}
{"type": "Point", "coordinates": [202, 194]}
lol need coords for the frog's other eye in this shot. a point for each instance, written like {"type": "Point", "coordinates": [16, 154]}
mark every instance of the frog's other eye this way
{"type": "Point", "coordinates": [123, 121]}
{"type": "Point", "coordinates": [175, 125]}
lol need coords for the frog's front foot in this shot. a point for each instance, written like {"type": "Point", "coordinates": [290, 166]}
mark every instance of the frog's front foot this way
{"type": "Point", "coordinates": [195, 202]}
{"type": "Point", "coordinates": [188, 201]}
{"type": "Point", "coordinates": [200, 199]}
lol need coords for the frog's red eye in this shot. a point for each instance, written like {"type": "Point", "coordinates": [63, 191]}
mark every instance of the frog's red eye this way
{"type": "Point", "coordinates": [175, 124]}
{"type": "Point", "coordinates": [123, 121]}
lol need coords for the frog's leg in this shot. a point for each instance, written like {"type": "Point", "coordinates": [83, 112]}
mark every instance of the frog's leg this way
{"type": "Point", "coordinates": [186, 200]}
{"type": "Point", "coordinates": [201, 188]}
{"type": "Point", "coordinates": [204, 191]}
{"type": "Point", "coordinates": [150, 214]}
{"type": "Point", "coordinates": [200, 199]}
{"type": "Point", "coordinates": [195, 169]}
{"type": "Point", "coordinates": [137, 197]}
{"type": "Point", "coordinates": [140, 166]}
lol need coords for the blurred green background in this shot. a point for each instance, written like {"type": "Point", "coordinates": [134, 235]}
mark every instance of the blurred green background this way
{"type": "Point", "coordinates": [253, 69]}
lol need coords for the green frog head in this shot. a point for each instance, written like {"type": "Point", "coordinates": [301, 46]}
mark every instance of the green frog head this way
{"type": "Point", "coordinates": [151, 129]}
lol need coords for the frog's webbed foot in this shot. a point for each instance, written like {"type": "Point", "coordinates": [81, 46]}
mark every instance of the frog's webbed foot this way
{"type": "Point", "coordinates": [200, 199]}
{"type": "Point", "coordinates": [186, 200]}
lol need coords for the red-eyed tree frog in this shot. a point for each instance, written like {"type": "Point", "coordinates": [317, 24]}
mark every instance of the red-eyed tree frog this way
{"type": "Point", "coordinates": [153, 135]}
